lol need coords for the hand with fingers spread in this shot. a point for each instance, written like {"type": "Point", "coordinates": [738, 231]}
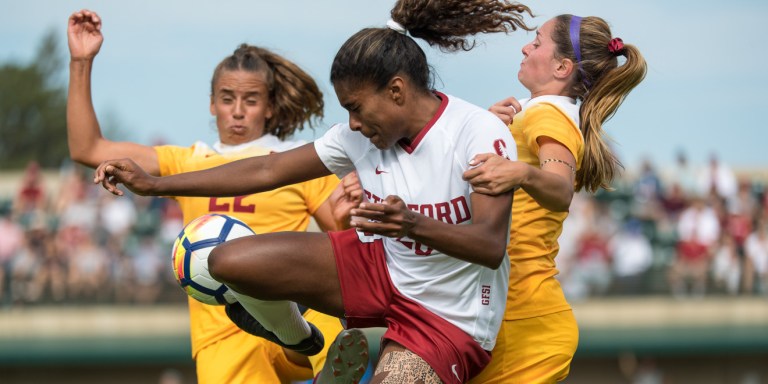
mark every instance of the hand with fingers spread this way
{"type": "Point", "coordinates": [84, 35]}
{"type": "Point", "coordinates": [493, 174]}
{"type": "Point", "coordinates": [113, 172]}
{"type": "Point", "coordinates": [506, 109]}
{"type": "Point", "coordinates": [390, 218]}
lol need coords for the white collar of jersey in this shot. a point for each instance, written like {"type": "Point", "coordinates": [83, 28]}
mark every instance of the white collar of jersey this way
{"type": "Point", "coordinates": [567, 104]}
{"type": "Point", "coordinates": [267, 141]}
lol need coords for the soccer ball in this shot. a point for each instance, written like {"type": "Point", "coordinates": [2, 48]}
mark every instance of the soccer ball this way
{"type": "Point", "coordinates": [190, 256]}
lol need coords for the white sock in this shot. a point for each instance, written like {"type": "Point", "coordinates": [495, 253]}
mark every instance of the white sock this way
{"type": "Point", "coordinates": [280, 317]}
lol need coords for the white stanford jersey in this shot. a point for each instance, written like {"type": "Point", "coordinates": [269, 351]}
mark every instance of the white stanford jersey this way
{"type": "Point", "coordinates": [427, 175]}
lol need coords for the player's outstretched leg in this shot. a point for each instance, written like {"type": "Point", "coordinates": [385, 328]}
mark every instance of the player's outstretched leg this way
{"type": "Point", "coordinates": [310, 346]}
{"type": "Point", "coordinates": [347, 359]}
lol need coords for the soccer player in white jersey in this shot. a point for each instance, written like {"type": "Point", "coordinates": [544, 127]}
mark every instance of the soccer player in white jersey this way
{"type": "Point", "coordinates": [426, 256]}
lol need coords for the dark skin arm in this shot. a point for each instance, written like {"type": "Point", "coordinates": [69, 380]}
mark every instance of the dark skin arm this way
{"type": "Point", "coordinates": [483, 242]}
{"type": "Point", "coordinates": [242, 177]}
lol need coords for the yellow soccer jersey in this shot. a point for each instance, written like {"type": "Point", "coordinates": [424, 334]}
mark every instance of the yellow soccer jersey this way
{"type": "Point", "coordinates": [533, 289]}
{"type": "Point", "coordinates": [284, 209]}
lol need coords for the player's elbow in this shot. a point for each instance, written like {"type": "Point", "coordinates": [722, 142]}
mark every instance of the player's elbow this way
{"type": "Point", "coordinates": [496, 257]}
{"type": "Point", "coordinates": [559, 207]}
{"type": "Point", "coordinates": [560, 202]}
{"type": "Point", "coordinates": [564, 202]}
{"type": "Point", "coordinates": [84, 157]}
{"type": "Point", "coordinates": [80, 157]}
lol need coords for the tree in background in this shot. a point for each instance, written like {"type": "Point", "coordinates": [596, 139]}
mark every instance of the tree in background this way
{"type": "Point", "coordinates": [33, 110]}
{"type": "Point", "coordinates": [33, 102]}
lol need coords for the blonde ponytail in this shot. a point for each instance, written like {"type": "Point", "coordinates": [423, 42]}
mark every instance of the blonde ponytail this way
{"type": "Point", "coordinates": [602, 85]}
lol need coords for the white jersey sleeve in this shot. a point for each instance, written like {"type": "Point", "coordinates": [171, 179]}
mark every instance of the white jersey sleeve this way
{"type": "Point", "coordinates": [338, 147]}
{"type": "Point", "coordinates": [483, 132]}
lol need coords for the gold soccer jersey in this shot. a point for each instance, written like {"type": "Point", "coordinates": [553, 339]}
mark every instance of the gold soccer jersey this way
{"type": "Point", "coordinates": [284, 209]}
{"type": "Point", "coordinates": [533, 290]}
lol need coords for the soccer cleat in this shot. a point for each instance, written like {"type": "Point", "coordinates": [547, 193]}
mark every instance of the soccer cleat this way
{"type": "Point", "coordinates": [347, 359]}
{"type": "Point", "coordinates": [308, 347]}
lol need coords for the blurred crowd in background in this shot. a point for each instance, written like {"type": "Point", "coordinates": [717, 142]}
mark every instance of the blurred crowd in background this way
{"type": "Point", "coordinates": [79, 244]}
{"type": "Point", "coordinates": [689, 231]}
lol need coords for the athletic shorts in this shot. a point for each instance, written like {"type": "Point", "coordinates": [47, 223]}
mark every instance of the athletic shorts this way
{"type": "Point", "coordinates": [371, 300]}
{"type": "Point", "coordinates": [533, 351]}
{"type": "Point", "coordinates": [242, 358]}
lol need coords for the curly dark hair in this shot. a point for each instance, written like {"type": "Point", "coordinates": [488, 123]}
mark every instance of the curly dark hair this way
{"type": "Point", "coordinates": [375, 55]}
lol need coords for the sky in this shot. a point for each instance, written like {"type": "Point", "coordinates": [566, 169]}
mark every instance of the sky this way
{"type": "Point", "coordinates": [703, 95]}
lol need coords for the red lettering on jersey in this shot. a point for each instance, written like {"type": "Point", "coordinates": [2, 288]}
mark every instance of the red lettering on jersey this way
{"type": "Point", "coordinates": [422, 252]}
{"type": "Point", "coordinates": [408, 244]}
{"type": "Point", "coordinates": [239, 207]}
{"type": "Point", "coordinates": [415, 246]}
{"type": "Point", "coordinates": [214, 206]}
{"type": "Point", "coordinates": [427, 210]}
{"type": "Point", "coordinates": [455, 211]}
{"type": "Point", "coordinates": [443, 212]}
{"type": "Point", "coordinates": [372, 198]}
{"type": "Point", "coordinates": [485, 295]}
{"type": "Point", "coordinates": [461, 209]}
{"type": "Point", "coordinates": [501, 148]}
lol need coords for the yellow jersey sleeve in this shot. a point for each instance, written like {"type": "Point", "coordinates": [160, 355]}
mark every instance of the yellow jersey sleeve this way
{"type": "Point", "coordinates": [548, 120]}
{"type": "Point", "coordinates": [534, 230]}
{"type": "Point", "coordinates": [318, 190]}
{"type": "Point", "coordinates": [170, 158]}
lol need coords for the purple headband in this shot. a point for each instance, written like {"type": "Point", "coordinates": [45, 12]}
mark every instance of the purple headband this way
{"type": "Point", "coordinates": [575, 32]}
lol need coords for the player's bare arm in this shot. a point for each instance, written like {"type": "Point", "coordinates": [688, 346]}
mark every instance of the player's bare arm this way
{"type": "Point", "coordinates": [86, 143]}
{"type": "Point", "coordinates": [482, 242]}
{"type": "Point", "coordinates": [494, 174]}
{"type": "Point", "coordinates": [242, 177]}
{"type": "Point", "coordinates": [551, 184]}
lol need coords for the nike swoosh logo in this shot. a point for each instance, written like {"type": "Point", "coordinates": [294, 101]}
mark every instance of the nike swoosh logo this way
{"type": "Point", "coordinates": [379, 172]}
{"type": "Point", "coordinates": [453, 369]}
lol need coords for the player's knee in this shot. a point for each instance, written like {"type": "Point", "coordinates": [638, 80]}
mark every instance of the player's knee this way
{"type": "Point", "coordinates": [229, 265]}
{"type": "Point", "coordinates": [221, 264]}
